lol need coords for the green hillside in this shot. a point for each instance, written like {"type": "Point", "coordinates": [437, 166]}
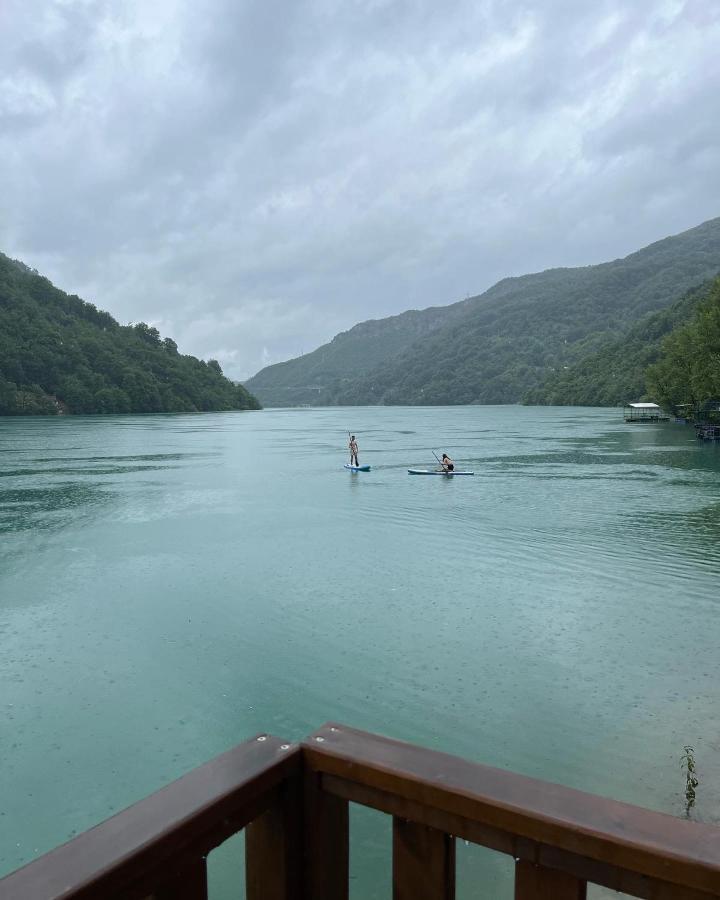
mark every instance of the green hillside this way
{"type": "Point", "coordinates": [501, 346]}
{"type": "Point", "coordinates": [616, 373]}
{"type": "Point", "coordinates": [59, 354]}
{"type": "Point", "coordinates": [688, 366]}
{"type": "Point", "coordinates": [319, 377]}
{"type": "Point", "coordinates": [514, 335]}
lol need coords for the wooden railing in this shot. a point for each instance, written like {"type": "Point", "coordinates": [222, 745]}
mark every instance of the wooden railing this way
{"type": "Point", "coordinates": [293, 800]}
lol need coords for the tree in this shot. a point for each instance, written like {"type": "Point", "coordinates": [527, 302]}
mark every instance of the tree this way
{"type": "Point", "coordinates": [688, 370]}
{"type": "Point", "coordinates": [112, 400]}
{"type": "Point", "coordinates": [76, 394]}
{"type": "Point", "coordinates": [8, 398]}
{"type": "Point", "coordinates": [147, 333]}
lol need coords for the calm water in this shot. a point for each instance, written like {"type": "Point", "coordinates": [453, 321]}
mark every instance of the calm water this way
{"type": "Point", "coordinates": [170, 585]}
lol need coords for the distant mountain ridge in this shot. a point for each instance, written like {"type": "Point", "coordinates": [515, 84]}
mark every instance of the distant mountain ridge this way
{"type": "Point", "coordinates": [317, 377]}
{"type": "Point", "coordinates": [500, 346]}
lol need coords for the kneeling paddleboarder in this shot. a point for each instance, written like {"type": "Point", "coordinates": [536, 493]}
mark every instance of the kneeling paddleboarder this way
{"type": "Point", "coordinates": [447, 464]}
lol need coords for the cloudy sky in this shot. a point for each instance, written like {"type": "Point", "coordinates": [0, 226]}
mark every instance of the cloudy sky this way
{"type": "Point", "coordinates": [253, 176]}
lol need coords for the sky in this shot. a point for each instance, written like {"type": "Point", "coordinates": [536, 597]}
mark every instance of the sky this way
{"type": "Point", "coordinates": [254, 176]}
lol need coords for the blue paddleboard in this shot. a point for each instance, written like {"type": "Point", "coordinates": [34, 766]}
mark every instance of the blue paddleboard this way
{"type": "Point", "coordinates": [357, 468]}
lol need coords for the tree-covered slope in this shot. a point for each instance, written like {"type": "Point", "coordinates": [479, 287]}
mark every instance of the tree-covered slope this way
{"type": "Point", "coordinates": [616, 373]}
{"type": "Point", "coordinates": [318, 378]}
{"type": "Point", "coordinates": [60, 354]}
{"type": "Point", "coordinates": [688, 367]}
{"type": "Point", "coordinates": [502, 345]}
{"type": "Point", "coordinates": [510, 338]}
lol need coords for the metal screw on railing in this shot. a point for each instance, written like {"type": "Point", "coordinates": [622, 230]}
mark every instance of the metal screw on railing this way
{"type": "Point", "coordinates": [284, 746]}
{"type": "Point", "coordinates": [263, 737]}
{"type": "Point", "coordinates": [319, 739]}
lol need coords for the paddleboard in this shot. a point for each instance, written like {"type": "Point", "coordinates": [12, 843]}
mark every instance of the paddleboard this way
{"type": "Point", "coordinates": [357, 468]}
{"type": "Point", "coordinates": [433, 472]}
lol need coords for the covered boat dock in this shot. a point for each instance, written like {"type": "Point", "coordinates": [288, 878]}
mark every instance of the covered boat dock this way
{"type": "Point", "coordinates": [643, 413]}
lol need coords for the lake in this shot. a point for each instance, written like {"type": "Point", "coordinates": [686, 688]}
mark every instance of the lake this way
{"type": "Point", "coordinates": [170, 585]}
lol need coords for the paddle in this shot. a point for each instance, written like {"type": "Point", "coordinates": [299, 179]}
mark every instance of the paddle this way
{"type": "Point", "coordinates": [440, 461]}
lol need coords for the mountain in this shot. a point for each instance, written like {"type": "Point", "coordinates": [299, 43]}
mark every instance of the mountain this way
{"type": "Point", "coordinates": [500, 346]}
{"type": "Point", "coordinates": [617, 372]}
{"type": "Point", "coordinates": [317, 378]}
{"type": "Point", "coordinates": [59, 354]}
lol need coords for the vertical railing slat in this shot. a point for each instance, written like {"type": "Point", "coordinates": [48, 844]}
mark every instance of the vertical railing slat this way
{"type": "Point", "coordinates": [423, 862]}
{"type": "Point", "coordinates": [273, 848]}
{"type": "Point", "coordinates": [190, 883]}
{"type": "Point", "coordinates": [326, 870]}
{"type": "Point", "coordinates": [539, 883]}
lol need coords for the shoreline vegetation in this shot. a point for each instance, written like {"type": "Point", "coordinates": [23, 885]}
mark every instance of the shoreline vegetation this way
{"type": "Point", "coordinates": [61, 356]}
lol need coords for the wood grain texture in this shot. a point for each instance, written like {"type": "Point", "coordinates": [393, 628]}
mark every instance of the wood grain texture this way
{"type": "Point", "coordinates": [274, 848]}
{"type": "Point", "coordinates": [326, 874]}
{"type": "Point", "coordinates": [538, 883]}
{"type": "Point", "coordinates": [423, 862]}
{"type": "Point", "coordinates": [189, 883]}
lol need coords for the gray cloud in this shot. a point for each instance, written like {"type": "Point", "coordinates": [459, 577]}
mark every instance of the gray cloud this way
{"type": "Point", "coordinates": [254, 177]}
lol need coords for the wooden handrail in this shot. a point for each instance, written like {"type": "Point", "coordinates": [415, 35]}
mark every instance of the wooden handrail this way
{"type": "Point", "coordinates": [294, 801]}
{"type": "Point", "coordinates": [591, 838]}
{"type": "Point", "coordinates": [163, 839]}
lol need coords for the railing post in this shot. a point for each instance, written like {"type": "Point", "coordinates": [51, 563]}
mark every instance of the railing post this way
{"type": "Point", "coordinates": [423, 862]}
{"type": "Point", "coordinates": [326, 874]}
{"type": "Point", "coordinates": [539, 883]}
{"type": "Point", "coordinates": [273, 848]}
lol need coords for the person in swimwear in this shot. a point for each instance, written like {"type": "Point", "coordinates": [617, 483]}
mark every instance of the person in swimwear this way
{"type": "Point", "coordinates": [353, 451]}
{"type": "Point", "coordinates": [447, 464]}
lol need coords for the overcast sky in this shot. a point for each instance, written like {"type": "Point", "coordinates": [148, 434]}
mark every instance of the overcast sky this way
{"type": "Point", "coordinates": [253, 177]}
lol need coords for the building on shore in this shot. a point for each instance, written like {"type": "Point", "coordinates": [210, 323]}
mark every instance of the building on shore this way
{"type": "Point", "coordinates": [644, 413]}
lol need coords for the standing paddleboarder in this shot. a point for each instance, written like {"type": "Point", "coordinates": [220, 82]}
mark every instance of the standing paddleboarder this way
{"type": "Point", "coordinates": [353, 447]}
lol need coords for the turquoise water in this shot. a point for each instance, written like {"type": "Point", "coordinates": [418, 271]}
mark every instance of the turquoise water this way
{"type": "Point", "coordinates": [170, 585]}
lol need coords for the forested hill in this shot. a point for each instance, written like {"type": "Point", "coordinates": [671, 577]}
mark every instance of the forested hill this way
{"type": "Point", "coordinates": [59, 354]}
{"type": "Point", "coordinates": [502, 345]}
{"type": "Point", "coordinates": [618, 371]}
{"type": "Point", "coordinates": [687, 370]}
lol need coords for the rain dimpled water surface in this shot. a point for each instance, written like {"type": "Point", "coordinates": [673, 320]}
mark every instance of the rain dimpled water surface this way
{"type": "Point", "coordinates": [170, 585]}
